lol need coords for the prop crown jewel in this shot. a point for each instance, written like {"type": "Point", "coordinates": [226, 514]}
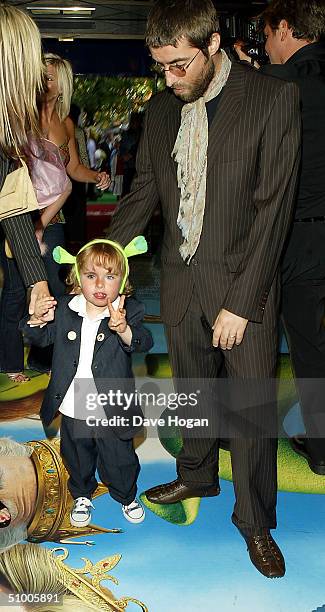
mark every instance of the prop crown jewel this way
{"type": "Point", "coordinates": [137, 246]}
{"type": "Point", "coordinates": [90, 590]}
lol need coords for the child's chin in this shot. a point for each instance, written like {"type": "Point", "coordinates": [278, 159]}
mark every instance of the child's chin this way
{"type": "Point", "coordinates": [99, 303]}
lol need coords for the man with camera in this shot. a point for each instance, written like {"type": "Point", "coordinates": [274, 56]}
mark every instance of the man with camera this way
{"type": "Point", "coordinates": [294, 31]}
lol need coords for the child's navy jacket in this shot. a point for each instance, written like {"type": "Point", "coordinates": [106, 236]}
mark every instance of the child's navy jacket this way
{"type": "Point", "coordinates": [111, 364]}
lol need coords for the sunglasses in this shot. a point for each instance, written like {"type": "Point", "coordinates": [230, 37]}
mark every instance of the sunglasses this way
{"type": "Point", "coordinates": [175, 69]}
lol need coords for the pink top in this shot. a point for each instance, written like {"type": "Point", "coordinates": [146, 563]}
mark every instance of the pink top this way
{"type": "Point", "coordinates": [47, 163]}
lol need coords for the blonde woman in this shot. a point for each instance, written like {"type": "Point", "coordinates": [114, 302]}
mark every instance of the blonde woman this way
{"type": "Point", "coordinates": [56, 125]}
{"type": "Point", "coordinates": [21, 79]}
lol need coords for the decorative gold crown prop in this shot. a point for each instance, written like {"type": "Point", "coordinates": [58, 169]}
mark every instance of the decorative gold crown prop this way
{"type": "Point", "coordinates": [54, 502]}
{"type": "Point", "coordinates": [90, 590]}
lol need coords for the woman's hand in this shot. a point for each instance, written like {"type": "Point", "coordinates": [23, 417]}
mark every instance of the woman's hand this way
{"type": "Point", "coordinates": [103, 181]}
{"type": "Point", "coordinates": [43, 311]}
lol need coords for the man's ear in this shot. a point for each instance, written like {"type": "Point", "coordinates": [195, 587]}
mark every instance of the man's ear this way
{"type": "Point", "coordinates": [284, 29]}
{"type": "Point", "coordinates": [214, 44]}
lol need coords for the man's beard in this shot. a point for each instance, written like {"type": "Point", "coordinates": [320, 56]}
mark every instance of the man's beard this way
{"type": "Point", "coordinates": [198, 88]}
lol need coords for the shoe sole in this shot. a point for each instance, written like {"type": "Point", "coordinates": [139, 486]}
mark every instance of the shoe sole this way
{"type": "Point", "coordinates": [317, 469]}
{"type": "Point", "coordinates": [260, 572]}
{"type": "Point", "coordinates": [79, 523]}
{"type": "Point", "coordinates": [203, 493]}
{"type": "Point", "coordinates": [134, 521]}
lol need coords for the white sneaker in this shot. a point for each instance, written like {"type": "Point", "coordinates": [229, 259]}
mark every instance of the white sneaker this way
{"type": "Point", "coordinates": [134, 512]}
{"type": "Point", "coordinates": [80, 515]}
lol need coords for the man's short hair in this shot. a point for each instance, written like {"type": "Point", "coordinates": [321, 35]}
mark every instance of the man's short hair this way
{"type": "Point", "coordinates": [306, 18]}
{"type": "Point", "coordinates": [170, 21]}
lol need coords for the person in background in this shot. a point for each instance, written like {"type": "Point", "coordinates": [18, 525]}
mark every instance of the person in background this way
{"type": "Point", "coordinates": [294, 41]}
{"type": "Point", "coordinates": [75, 207]}
{"type": "Point", "coordinates": [117, 168]}
{"type": "Point", "coordinates": [21, 81]}
{"type": "Point", "coordinates": [128, 149]}
{"type": "Point", "coordinates": [106, 145]}
{"type": "Point", "coordinates": [91, 148]}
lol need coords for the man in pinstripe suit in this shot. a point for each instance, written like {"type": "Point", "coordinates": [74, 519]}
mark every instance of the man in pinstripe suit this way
{"type": "Point", "coordinates": [219, 151]}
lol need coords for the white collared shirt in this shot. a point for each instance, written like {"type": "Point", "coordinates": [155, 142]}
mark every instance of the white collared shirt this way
{"type": "Point", "coordinates": [89, 329]}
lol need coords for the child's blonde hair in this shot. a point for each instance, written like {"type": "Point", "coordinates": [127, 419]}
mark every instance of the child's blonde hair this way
{"type": "Point", "coordinates": [99, 254]}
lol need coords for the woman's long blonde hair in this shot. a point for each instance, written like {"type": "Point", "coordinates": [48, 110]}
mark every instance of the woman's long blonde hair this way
{"type": "Point", "coordinates": [65, 83]}
{"type": "Point", "coordinates": [21, 78]}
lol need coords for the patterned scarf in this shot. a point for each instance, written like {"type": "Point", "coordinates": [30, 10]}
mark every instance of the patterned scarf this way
{"type": "Point", "coordinates": [190, 153]}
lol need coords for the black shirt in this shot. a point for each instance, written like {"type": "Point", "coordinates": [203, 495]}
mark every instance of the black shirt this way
{"type": "Point", "coordinates": [306, 68]}
{"type": "Point", "coordinates": [211, 107]}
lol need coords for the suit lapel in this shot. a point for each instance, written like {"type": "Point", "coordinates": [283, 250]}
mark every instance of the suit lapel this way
{"type": "Point", "coordinates": [228, 112]}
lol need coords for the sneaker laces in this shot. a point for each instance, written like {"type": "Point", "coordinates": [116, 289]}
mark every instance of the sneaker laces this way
{"type": "Point", "coordinates": [266, 547]}
{"type": "Point", "coordinates": [82, 503]}
{"type": "Point", "coordinates": [133, 505]}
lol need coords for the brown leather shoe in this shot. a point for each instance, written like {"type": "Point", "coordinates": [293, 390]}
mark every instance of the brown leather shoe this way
{"type": "Point", "coordinates": [176, 491]}
{"type": "Point", "coordinates": [266, 555]}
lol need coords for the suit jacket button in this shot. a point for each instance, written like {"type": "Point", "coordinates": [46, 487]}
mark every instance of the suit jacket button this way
{"type": "Point", "coordinates": [195, 262]}
{"type": "Point", "coordinates": [95, 367]}
{"type": "Point", "coordinates": [137, 341]}
{"type": "Point", "coordinates": [75, 363]}
{"type": "Point", "coordinates": [57, 396]}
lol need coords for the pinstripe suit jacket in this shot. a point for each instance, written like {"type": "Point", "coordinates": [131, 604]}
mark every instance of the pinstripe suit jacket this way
{"type": "Point", "coordinates": [253, 158]}
{"type": "Point", "coordinates": [20, 233]}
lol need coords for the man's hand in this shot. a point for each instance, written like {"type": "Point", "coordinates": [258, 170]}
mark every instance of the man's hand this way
{"type": "Point", "coordinates": [117, 321]}
{"type": "Point", "coordinates": [238, 47]}
{"type": "Point", "coordinates": [228, 330]}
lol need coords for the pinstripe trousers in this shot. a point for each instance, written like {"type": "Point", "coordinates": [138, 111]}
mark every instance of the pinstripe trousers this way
{"type": "Point", "coordinates": [253, 459]}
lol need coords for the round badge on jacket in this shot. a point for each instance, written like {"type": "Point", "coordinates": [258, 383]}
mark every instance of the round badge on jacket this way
{"type": "Point", "coordinates": [72, 335]}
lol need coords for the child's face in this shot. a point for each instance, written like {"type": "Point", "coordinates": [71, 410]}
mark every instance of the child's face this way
{"type": "Point", "coordinates": [98, 284]}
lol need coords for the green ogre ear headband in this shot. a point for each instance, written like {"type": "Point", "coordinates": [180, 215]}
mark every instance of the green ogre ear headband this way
{"type": "Point", "coordinates": [137, 246]}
